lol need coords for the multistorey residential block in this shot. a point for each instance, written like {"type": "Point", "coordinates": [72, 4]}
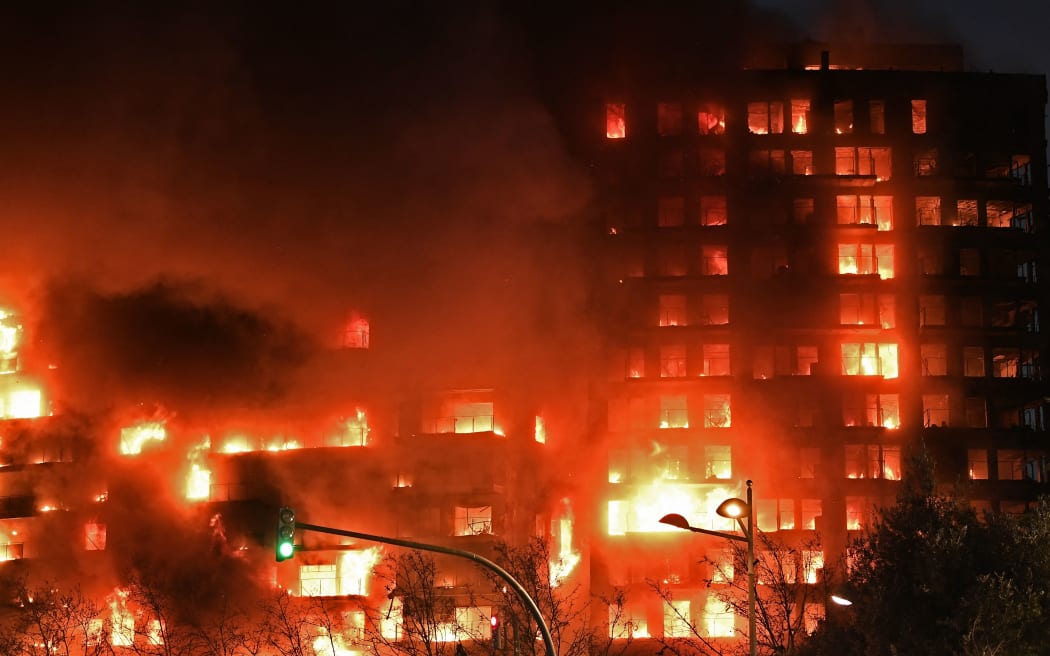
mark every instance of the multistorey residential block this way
{"type": "Point", "coordinates": [811, 269]}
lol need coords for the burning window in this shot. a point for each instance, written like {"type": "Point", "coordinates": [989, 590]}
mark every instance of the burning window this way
{"type": "Point", "coordinates": [935, 410]}
{"type": "Point", "coordinates": [711, 119]}
{"type": "Point", "coordinates": [715, 261]}
{"type": "Point", "coordinates": [812, 565]}
{"type": "Point", "coordinates": [94, 536]}
{"type": "Point", "coordinates": [796, 361]}
{"type": "Point", "coordinates": [767, 162]}
{"type": "Point", "coordinates": [356, 333]}
{"type": "Point", "coordinates": [843, 117]}
{"type": "Point", "coordinates": [317, 581]}
{"type": "Point", "coordinates": [811, 509]}
{"type": "Point", "coordinates": [718, 462]}
{"type": "Point", "coordinates": [721, 565]}
{"type": "Point", "coordinates": [775, 514]}
{"type": "Point", "coordinates": [868, 310]}
{"type": "Point", "coordinates": [716, 360]}
{"type": "Point", "coordinates": [1005, 362]}
{"type": "Point", "coordinates": [918, 116]}
{"type": "Point", "coordinates": [716, 411]}
{"type": "Point", "coordinates": [865, 161]}
{"type": "Point", "coordinates": [859, 512]}
{"type": "Point", "coordinates": [355, 570]}
{"type": "Point", "coordinates": [669, 119]}
{"type": "Point", "coordinates": [763, 364]}
{"type": "Point", "coordinates": [10, 339]}
{"type": "Point", "coordinates": [473, 520]}
{"type": "Point", "coordinates": [965, 213]}
{"type": "Point", "coordinates": [973, 361]}
{"type": "Point", "coordinates": [800, 116]}
{"type": "Point", "coordinates": [1010, 465]}
{"type": "Point", "coordinates": [802, 210]}
{"type": "Point", "coordinates": [934, 359]}
{"type": "Point", "coordinates": [802, 162]}
{"type": "Point", "coordinates": [674, 412]}
{"type": "Point", "coordinates": [931, 310]}
{"type": "Point", "coordinates": [635, 363]}
{"type": "Point", "coordinates": [865, 210]}
{"type": "Point", "coordinates": [713, 211]}
{"type": "Point", "coordinates": [877, 116]}
{"type": "Point", "coordinates": [677, 619]}
{"type": "Point", "coordinates": [672, 310]}
{"type": "Point", "coordinates": [1007, 214]}
{"type": "Point", "coordinates": [928, 210]}
{"type": "Point", "coordinates": [719, 619]}
{"type": "Point", "coordinates": [615, 123]}
{"type": "Point", "coordinates": [860, 409]}
{"type": "Point", "coordinates": [976, 412]}
{"type": "Point", "coordinates": [765, 117]}
{"type": "Point", "coordinates": [925, 162]}
{"type": "Point", "coordinates": [866, 259]}
{"type": "Point", "coordinates": [670, 211]}
{"type": "Point", "coordinates": [672, 361]}
{"type": "Point", "coordinates": [869, 359]}
{"type": "Point", "coordinates": [969, 262]}
{"type": "Point", "coordinates": [714, 309]}
{"type": "Point", "coordinates": [1021, 169]}
{"type": "Point", "coordinates": [11, 551]}
{"type": "Point", "coordinates": [712, 162]}
{"type": "Point", "coordinates": [873, 461]}
{"type": "Point", "coordinates": [977, 464]}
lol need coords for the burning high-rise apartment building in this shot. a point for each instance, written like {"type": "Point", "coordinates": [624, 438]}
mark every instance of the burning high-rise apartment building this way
{"type": "Point", "coordinates": [811, 270]}
{"type": "Point", "coordinates": [805, 269]}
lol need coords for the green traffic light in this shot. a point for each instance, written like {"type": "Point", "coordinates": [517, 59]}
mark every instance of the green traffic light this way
{"type": "Point", "coordinates": [286, 549]}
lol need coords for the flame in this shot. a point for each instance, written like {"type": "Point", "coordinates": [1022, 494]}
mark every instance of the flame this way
{"type": "Point", "coordinates": [121, 620]}
{"type": "Point", "coordinates": [198, 480]}
{"type": "Point", "coordinates": [568, 558]}
{"type": "Point", "coordinates": [355, 570]}
{"type": "Point", "coordinates": [326, 644]}
{"type": "Point", "coordinates": [24, 402]}
{"type": "Point", "coordinates": [800, 126]}
{"type": "Point", "coordinates": [540, 431]}
{"type": "Point", "coordinates": [641, 513]}
{"type": "Point", "coordinates": [9, 334]}
{"type": "Point", "coordinates": [134, 437]}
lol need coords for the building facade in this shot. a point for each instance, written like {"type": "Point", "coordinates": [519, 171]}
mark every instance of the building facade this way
{"type": "Point", "coordinates": [809, 271]}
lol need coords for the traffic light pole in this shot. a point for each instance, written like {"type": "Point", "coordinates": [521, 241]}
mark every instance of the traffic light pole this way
{"type": "Point", "coordinates": [529, 602]}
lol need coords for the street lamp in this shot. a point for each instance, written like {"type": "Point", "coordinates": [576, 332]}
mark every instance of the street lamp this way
{"type": "Point", "coordinates": [734, 509]}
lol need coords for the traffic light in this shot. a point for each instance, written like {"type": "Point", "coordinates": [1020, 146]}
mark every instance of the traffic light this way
{"type": "Point", "coordinates": [285, 534]}
{"type": "Point", "coordinates": [497, 642]}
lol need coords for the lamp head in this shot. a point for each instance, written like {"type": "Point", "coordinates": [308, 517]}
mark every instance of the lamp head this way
{"type": "Point", "coordinates": [732, 508]}
{"type": "Point", "coordinates": [841, 601]}
{"type": "Point", "coordinates": [676, 520]}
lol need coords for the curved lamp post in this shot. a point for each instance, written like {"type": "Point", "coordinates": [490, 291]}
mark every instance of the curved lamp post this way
{"type": "Point", "coordinates": [737, 509]}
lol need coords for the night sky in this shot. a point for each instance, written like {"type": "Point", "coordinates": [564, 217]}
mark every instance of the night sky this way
{"type": "Point", "coordinates": [262, 170]}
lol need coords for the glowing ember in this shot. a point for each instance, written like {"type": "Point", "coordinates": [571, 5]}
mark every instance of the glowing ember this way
{"type": "Point", "coordinates": [133, 438]}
